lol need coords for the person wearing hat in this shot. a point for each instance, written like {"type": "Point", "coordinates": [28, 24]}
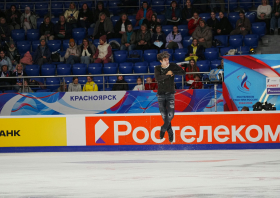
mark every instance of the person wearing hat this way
{"type": "Point", "coordinates": [5, 60]}
{"type": "Point", "coordinates": [120, 27]}
{"type": "Point", "coordinates": [47, 29]}
{"type": "Point", "coordinates": [5, 32]}
{"type": "Point", "coordinates": [87, 50]}
{"type": "Point", "coordinates": [103, 52]}
{"type": "Point", "coordinates": [4, 81]}
{"type": "Point", "coordinates": [203, 34]}
{"type": "Point", "coordinates": [73, 53]}
{"type": "Point", "coordinates": [143, 38]}
{"type": "Point", "coordinates": [42, 54]}
{"type": "Point", "coordinates": [13, 53]}
{"type": "Point", "coordinates": [28, 20]}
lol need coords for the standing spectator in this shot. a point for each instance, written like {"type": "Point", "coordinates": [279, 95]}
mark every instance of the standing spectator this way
{"type": "Point", "coordinates": [187, 12]}
{"type": "Point", "coordinates": [5, 60]}
{"type": "Point", "coordinates": [158, 39]}
{"type": "Point", "coordinates": [128, 39]}
{"type": "Point", "coordinates": [154, 23]}
{"type": "Point", "coordinates": [13, 53]}
{"type": "Point", "coordinates": [173, 14]}
{"type": "Point", "coordinates": [90, 85]}
{"type": "Point", "coordinates": [62, 29]}
{"type": "Point", "coordinates": [173, 39]}
{"type": "Point", "coordinates": [73, 53]}
{"type": "Point", "coordinates": [5, 32]}
{"type": "Point", "coordinates": [275, 19]}
{"type": "Point", "coordinates": [144, 15]}
{"type": "Point", "coordinates": [26, 88]}
{"type": "Point", "coordinates": [42, 54]}
{"type": "Point", "coordinates": [243, 25]}
{"type": "Point", "coordinates": [85, 18]}
{"type": "Point", "coordinates": [196, 83]}
{"type": "Point", "coordinates": [103, 26]}
{"type": "Point", "coordinates": [195, 51]}
{"type": "Point", "coordinates": [224, 25]}
{"type": "Point", "coordinates": [28, 20]}
{"type": "Point", "coordinates": [192, 67]}
{"type": "Point", "coordinates": [5, 82]}
{"type": "Point", "coordinates": [103, 52]}
{"type": "Point", "coordinates": [150, 85]}
{"type": "Point", "coordinates": [75, 86]}
{"type": "Point", "coordinates": [47, 29]}
{"type": "Point", "coordinates": [18, 73]}
{"type": "Point", "coordinates": [264, 14]}
{"type": "Point", "coordinates": [121, 25]}
{"type": "Point", "coordinates": [100, 9]}
{"type": "Point", "coordinates": [87, 51]}
{"type": "Point", "coordinates": [143, 38]}
{"type": "Point", "coordinates": [71, 15]}
{"type": "Point", "coordinates": [13, 18]}
{"type": "Point", "coordinates": [62, 88]}
{"type": "Point", "coordinates": [193, 23]}
{"type": "Point", "coordinates": [203, 34]}
{"type": "Point", "coordinates": [139, 86]}
{"type": "Point", "coordinates": [213, 23]}
{"type": "Point", "coordinates": [120, 85]}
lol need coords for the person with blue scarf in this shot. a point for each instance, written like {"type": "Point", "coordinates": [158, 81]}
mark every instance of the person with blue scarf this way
{"type": "Point", "coordinates": [128, 39]}
{"type": "Point", "coordinates": [144, 15]}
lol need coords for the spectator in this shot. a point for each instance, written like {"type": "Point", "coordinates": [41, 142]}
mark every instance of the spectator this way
{"type": "Point", "coordinates": [139, 86]}
{"type": "Point", "coordinates": [87, 51]}
{"type": "Point", "coordinates": [120, 85]}
{"type": "Point", "coordinates": [5, 82]}
{"type": "Point", "coordinates": [173, 14]}
{"type": "Point", "coordinates": [121, 25]}
{"type": "Point", "coordinates": [42, 54]}
{"type": "Point", "coordinates": [5, 32]}
{"type": "Point", "coordinates": [5, 60]}
{"type": "Point", "coordinates": [243, 25]}
{"type": "Point", "coordinates": [192, 67]}
{"type": "Point", "coordinates": [224, 26]}
{"type": "Point", "coordinates": [25, 88]}
{"type": "Point", "coordinates": [144, 15]}
{"type": "Point", "coordinates": [26, 59]}
{"type": "Point", "coordinates": [222, 65]}
{"type": "Point", "coordinates": [103, 52]}
{"type": "Point", "coordinates": [100, 9]}
{"type": "Point", "coordinates": [264, 14]}
{"type": "Point", "coordinates": [187, 12]}
{"type": "Point", "coordinates": [71, 15]}
{"type": "Point", "coordinates": [103, 26]}
{"type": "Point", "coordinates": [245, 108]}
{"type": "Point", "coordinates": [143, 38]}
{"type": "Point", "coordinates": [158, 39]}
{"type": "Point", "coordinates": [203, 34]}
{"type": "Point", "coordinates": [275, 20]}
{"type": "Point", "coordinates": [13, 53]}
{"type": "Point", "coordinates": [75, 86]}
{"type": "Point", "coordinates": [196, 84]}
{"type": "Point", "coordinates": [62, 29]}
{"type": "Point", "coordinates": [28, 20]}
{"type": "Point", "coordinates": [173, 39]}
{"type": "Point", "coordinates": [18, 73]}
{"type": "Point", "coordinates": [62, 88]}
{"type": "Point", "coordinates": [195, 51]}
{"type": "Point", "coordinates": [90, 85]}
{"type": "Point", "coordinates": [214, 7]}
{"type": "Point", "coordinates": [193, 23]}
{"type": "Point", "coordinates": [150, 84]}
{"type": "Point", "coordinates": [213, 23]}
{"type": "Point", "coordinates": [73, 53]}
{"type": "Point", "coordinates": [85, 18]}
{"type": "Point", "coordinates": [128, 39]}
{"type": "Point", "coordinates": [47, 29]}
{"type": "Point", "coordinates": [13, 18]}
{"type": "Point", "coordinates": [154, 23]}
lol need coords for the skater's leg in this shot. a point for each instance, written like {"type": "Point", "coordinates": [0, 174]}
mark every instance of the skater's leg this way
{"type": "Point", "coordinates": [170, 106]}
{"type": "Point", "coordinates": [163, 112]}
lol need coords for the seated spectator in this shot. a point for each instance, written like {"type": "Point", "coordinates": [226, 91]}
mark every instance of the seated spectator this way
{"type": "Point", "coordinates": [150, 84]}
{"type": "Point", "coordinates": [245, 108]}
{"type": "Point", "coordinates": [222, 65]}
{"type": "Point", "coordinates": [13, 18]}
{"type": "Point", "coordinates": [173, 39]}
{"type": "Point", "coordinates": [203, 34]}
{"type": "Point", "coordinates": [103, 26]}
{"type": "Point", "coordinates": [73, 53]}
{"type": "Point", "coordinates": [143, 38]}
{"type": "Point", "coordinates": [121, 25]}
{"type": "Point", "coordinates": [25, 88]}
{"type": "Point", "coordinates": [28, 20]}
{"type": "Point", "coordinates": [213, 23]}
{"type": "Point", "coordinates": [144, 15]}
{"type": "Point", "coordinates": [71, 15]}
{"type": "Point", "coordinates": [17, 82]}
{"type": "Point", "coordinates": [42, 54]}
{"type": "Point", "coordinates": [193, 23]}
{"type": "Point", "coordinates": [158, 39]}
{"type": "Point", "coordinates": [100, 9]}
{"type": "Point", "coordinates": [5, 60]}
{"type": "Point", "coordinates": [224, 26]}
{"type": "Point", "coordinates": [62, 88]}
{"type": "Point", "coordinates": [26, 59]}
{"type": "Point", "coordinates": [47, 29]}
{"type": "Point", "coordinates": [85, 18]}
{"type": "Point", "coordinates": [90, 85]}
{"type": "Point", "coordinates": [192, 67]}
{"type": "Point", "coordinates": [243, 25]}
{"type": "Point", "coordinates": [128, 39]}
{"type": "Point", "coordinates": [139, 86]}
{"type": "Point", "coordinates": [87, 50]}
{"type": "Point", "coordinates": [264, 14]}
{"type": "Point", "coordinates": [173, 14]}
{"type": "Point", "coordinates": [187, 12]}
{"type": "Point", "coordinates": [195, 51]}
{"type": "Point", "coordinates": [120, 85]}
{"type": "Point", "coordinates": [75, 86]}
{"type": "Point", "coordinates": [103, 52]}
{"type": "Point", "coordinates": [62, 29]}
{"type": "Point", "coordinates": [5, 32]}
{"type": "Point", "coordinates": [154, 23]}
{"type": "Point", "coordinates": [13, 53]}
{"type": "Point", "coordinates": [5, 82]}
{"type": "Point", "coordinates": [275, 19]}
{"type": "Point", "coordinates": [196, 83]}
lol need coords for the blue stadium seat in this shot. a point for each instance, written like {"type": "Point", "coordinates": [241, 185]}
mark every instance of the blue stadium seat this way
{"type": "Point", "coordinates": [245, 4]}
{"type": "Point", "coordinates": [167, 29]}
{"type": "Point", "coordinates": [245, 50]}
{"type": "Point", "coordinates": [233, 17]}
{"type": "Point", "coordinates": [95, 68]}
{"type": "Point", "coordinates": [108, 89]}
{"type": "Point", "coordinates": [259, 28]}
{"type": "Point", "coordinates": [251, 16]}
{"type": "Point", "coordinates": [170, 51]}
{"type": "Point", "coordinates": [183, 29]}
{"type": "Point", "coordinates": [41, 8]}
{"type": "Point", "coordinates": [32, 70]}
{"type": "Point", "coordinates": [33, 35]}
{"type": "Point", "coordinates": [82, 80]}
{"type": "Point", "coordinates": [158, 6]}
{"type": "Point", "coordinates": [251, 40]}
{"type": "Point", "coordinates": [180, 54]}
{"type": "Point", "coordinates": [79, 33]}
{"type": "Point", "coordinates": [113, 7]}
{"type": "Point", "coordinates": [18, 35]}
{"type": "Point", "coordinates": [56, 8]}
{"type": "Point", "coordinates": [10, 91]}
{"type": "Point", "coordinates": [89, 4]}
{"type": "Point", "coordinates": [150, 55]}
{"type": "Point", "coordinates": [144, 63]}
{"type": "Point", "coordinates": [110, 68]}
{"type": "Point", "coordinates": [112, 80]}
{"type": "Point", "coordinates": [233, 4]}
{"type": "Point", "coordinates": [99, 81]}
{"type": "Point", "coordinates": [54, 20]}
{"type": "Point", "coordinates": [126, 68]}
{"type": "Point", "coordinates": [67, 4]}
{"type": "Point", "coordinates": [120, 56]}
{"type": "Point", "coordinates": [132, 19]}
{"type": "Point", "coordinates": [48, 70]}
{"type": "Point", "coordinates": [79, 69]}
{"type": "Point", "coordinates": [64, 69]}
{"type": "Point", "coordinates": [153, 65]}
{"type": "Point", "coordinates": [67, 80]}
{"type": "Point", "coordinates": [178, 80]}
{"type": "Point", "coordinates": [162, 19]}
{"type": "Point", "coordinates": [65, 44]}
{"type": "Point", "coordinates": [211, 53]}
{"type": "Point", "coordinates": [215, 64]}
{"type": "Point", "coordinates": [54, 45]}
{"type": "Point", "coordinates": [140, 69]}
{"type": "Point", "coordinates": [115, 39]}
{"type": "Point", "coordinates": [90, 31]}
{"type": "Point", "coordinates": [23, 46]}
{"type": "Point", "coordinates": [223, 39]}
{"type": "Point", "coordinates": [26, 4]}
{"type": "Point", "coordinates": [10, 3]}
{"type": "Point", "coordinates": [187, 41]}
{"type": "Point", "coordinates": [225, 50]}
{"type": "Point", "coordinates": [236, 41]}
{"type": "Point", "coordinates": [35, 45]}
{"type": "Point", "coordinates": [115, 19]}
{"type": "Point", "coordinates": [96, 42]}
{"type": "Point", "coordinates": [139, 52]}
{"type": "Point", "coordinates": [205, 16]}
{"type": "Point", "coordinates": [203, 65]}
{"type": "Point", "coordinates": [39, 22]}
{"type": "Point", "coordinates": [148, 76]}
{"type": "Point", "coordinates": [130, 79]}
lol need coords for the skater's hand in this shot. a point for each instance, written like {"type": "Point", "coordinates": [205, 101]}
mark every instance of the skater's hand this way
{"type": "Point", "coordinates": [169, 73]}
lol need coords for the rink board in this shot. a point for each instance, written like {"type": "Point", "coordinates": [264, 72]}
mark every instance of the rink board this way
{"type": "Point", "coordinates": [139, 132]}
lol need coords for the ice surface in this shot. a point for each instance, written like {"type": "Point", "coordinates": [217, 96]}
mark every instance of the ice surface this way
{"type": "Point", "coordinates": [227, 173]}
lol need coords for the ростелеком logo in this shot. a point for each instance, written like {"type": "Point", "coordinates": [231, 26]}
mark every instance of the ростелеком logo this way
{"type": "Point", "coordinates": [100, 129]}
{"type": "Point", "coordinates": [244, 85]}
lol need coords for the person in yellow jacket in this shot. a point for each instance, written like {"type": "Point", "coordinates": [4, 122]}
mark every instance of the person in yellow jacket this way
{"type": "Point", "coordinates": [71, 15]}
{"type": "Point", "coordinates": [90, 85]}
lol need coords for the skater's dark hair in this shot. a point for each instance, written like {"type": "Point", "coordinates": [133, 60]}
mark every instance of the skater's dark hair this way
{"type": "Point", "coordinates": [163, 55]}
{"type": "Point", "coordinates": [245, 108]}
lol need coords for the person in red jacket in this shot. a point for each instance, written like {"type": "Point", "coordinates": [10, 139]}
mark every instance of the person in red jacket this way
{"type": "Point", "coordinates": [193, 23]}
{"type": "Point", "coordinates": [144, 15]}
{"type": "Point", "coordinates": [150, 84]}
{"type": "Point", "coordinates": [196, 84]}
{"type": "Point", "coordinates": [192, 67]}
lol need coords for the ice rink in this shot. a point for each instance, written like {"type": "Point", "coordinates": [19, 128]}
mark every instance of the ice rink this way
{"type": "Point", "coordinates": [215, 173]}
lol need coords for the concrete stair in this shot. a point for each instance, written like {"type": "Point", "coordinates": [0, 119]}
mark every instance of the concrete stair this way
{"type": "Point", "coordinates": [269, 44]}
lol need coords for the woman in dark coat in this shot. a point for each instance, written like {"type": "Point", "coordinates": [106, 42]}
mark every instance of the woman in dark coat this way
{"type": "Point", "coordinates": [85, 18]}
{"type": "Point", "coordinates": [224, 26]}
{"type": "Point", "coordinates": [13, 18]}
{"type": "Point", "coordinates": [121, 25]}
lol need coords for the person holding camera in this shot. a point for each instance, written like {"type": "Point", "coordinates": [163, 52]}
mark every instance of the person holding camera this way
{"type": "Point", "coordinates": [243, 25]}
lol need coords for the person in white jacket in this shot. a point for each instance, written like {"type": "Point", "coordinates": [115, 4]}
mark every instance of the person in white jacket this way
{"type": "Point", "coordinates": [264, 14]}
{"type": "Point", "coordinates": [72, 14]}
{"type": "Point", "coordinates": [139, 86]}
{"type": "Point", "coordinates": [75, 86]}
{"type": "Point", "coordinates": [73, 53]}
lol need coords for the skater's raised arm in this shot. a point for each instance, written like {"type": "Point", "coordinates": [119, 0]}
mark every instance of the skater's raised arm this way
{"type": "Point", "coordinates": [178, 70]}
